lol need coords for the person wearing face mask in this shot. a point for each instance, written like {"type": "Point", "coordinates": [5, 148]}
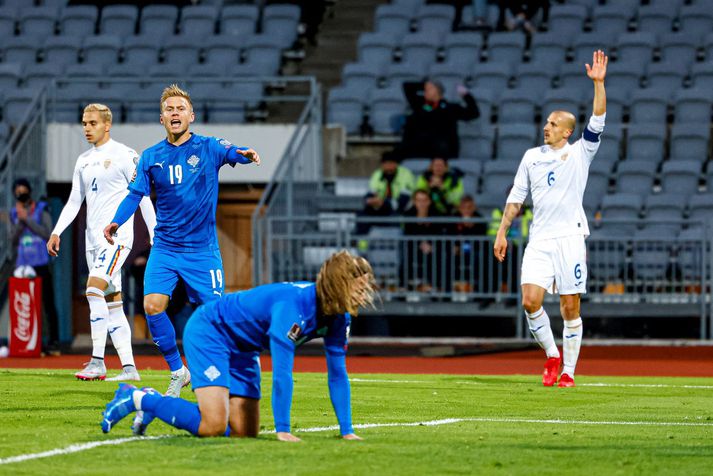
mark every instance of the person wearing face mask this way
{"type": "Point", "coordinates": [31, 224]}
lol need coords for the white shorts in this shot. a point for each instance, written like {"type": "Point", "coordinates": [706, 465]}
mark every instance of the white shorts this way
{"type": "Point", "coordinates": [559, 265]}
{"type": "Point", "coordinates": [105, 263]}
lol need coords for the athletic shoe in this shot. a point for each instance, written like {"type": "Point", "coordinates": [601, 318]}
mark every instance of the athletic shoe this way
{"type": "Point", "coordinates": [552, 368]}
{"type": "Point", "coordinates": [179, 379]}
{"type": "Point", "coordinates": [127, 373]}
{"type": "Point", "coordinates": [142, 419]}
{"type": "Point", "coordinates": [121, 405]}
{"type": "Point", "coordinates": [94, 370]}
{"type": "Point", "coordinates": [566, 381]}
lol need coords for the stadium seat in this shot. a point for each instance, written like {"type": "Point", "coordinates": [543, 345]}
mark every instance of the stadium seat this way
{"type": "Point", "coordinates": [535, 78]}
{"type": "Point", "coordinates": [435, 18]}
{"type": "Point", "coordinates": [679, 48]}
{"type": "Point", "coordinates": [561, 99]}
{"type": "Point", "coordinates": [420, 47]}
{"type": "Point", "coordinates": [221, 49]}
{"type": "Point", "coordinates": [397, 73]}
{"type": "Point", "coordinates": [16, 103]}
{"type": "Point", "coordinates": [62, 49]}
{"type": "Point", "coordinates": [700, 206]}
{"type": "Point", "coordinates": [118, 20]}
{"type": "Point", "coordinates": [651, 253]}
{"type": "Point", "coordinates": [498, 176]}
{"type": "Point", "coordinates": [238, 20]}
{"type": "Point", "coordinates": [635, 176]}
{"type": "Point", "coordinates": [472, 167]}
{"type": "Point", "coordinates": [612, 19]}
{"type": "Point", "coordinates": [141, 49]}
{"type": "Point", "coordinates": [702, 73]}
{"type": "Point", "coordinates": [666, 206]}
{"type": "Point", "coordinates": [635, 47]}
{"type": "Point", "coordinates": [592, 199]}
{"type": "Point", "coordinates": [657, 18]}
{"type": "Point", "coordinates": [38, 75]}
{"type": "Point", "coordinates": [37, 21]}
{"type": "Point", "coordinates": [10, 75]}
{"type": "Point", "coordinates": [493, 76]}
{"type": "Point", "coordinates": [606, 254]}
{"type": "Point", "coordinates": [181, 49]}
{"type": "Point", "coordinates": [484, 99]}
{"type": "Point", "coordinates": [548, 49]}
{"type": "Point", "coordinates": [417, 165]}
{"type": "Point", "coordinates": [689, 140]}
{"type": "Point", "coordinates": [609, 144]}
{"type": "Point", "coordinates": [646, 141]}
{"type": "Point", "coordinates": [387, 108]}
{"type": "Point", "coordinates": [620, 213]}
{"type": "Point", "coordinates": [573, 76]}
{"type": "Point", "coordinates": [648, 105]}
{"type": "Point", "coordinates": [680, 176]}
{"type": "Point", "coordinates": [487, 202]}
{"type": "Point", "coordinates": [364, 76]}
{"type": "Point", "coordinates": [158, 21]}
{"type": "Point", "coordinates": [517, 105]}
{"type": "Point", "coordinates": [696, 19]}
{"type": "Point", "coordinates": [281, 21]}
{"type": "Point", "coordinates": [21, 49]}
{"type": "Point", "coordinates": [206, 76]}
{"type": "Point", "coordinates": [514, 139]}
{"type": "Point", "coordinates": [142, 106]}
{"type": "Point", "coordinates": [463, 47]}
{"type": "Point", "coordinates": [91, 76]}
{"type": "Point", "coordinates": [626, 75]}
{"type": "Point", "coordinates": [101, 49]}
{"type": "Point", "coordinates": [79, 20]}
{"type": "Point", "coordinates": [585, 44]}
{"type": "Point", "coordinates": [198, 20]}
{"type": "Point", "coordinates": [376, 48]}
{"type": "Point", "coordinates": [263, 49]}
{"type": "Point", "coordinates": [708, 46]}
{"type": "Point", "coordinates": [345, 107]}
{"type": "Point", "coordinates": [665, 75]}
{"type": "Point", "coordinates": [393, 19]}
{"type": "Point", "coordinates": [692, 105]}
{"type": "Point", "coordinates": [8, 22]}
{"type": "Point", "coordinates": [567, 20]}
{"type": "Point", "coordinates": [476, 141]}
{"type": "Point", "coordinates": [506, 47]}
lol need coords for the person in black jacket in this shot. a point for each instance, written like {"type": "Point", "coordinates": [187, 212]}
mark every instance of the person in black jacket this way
{"type": "Point", "coordinates": [431, 130]}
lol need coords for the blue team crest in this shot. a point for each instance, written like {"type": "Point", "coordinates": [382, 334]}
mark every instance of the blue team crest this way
{"type": "Point", "coordinates": [193, 162]}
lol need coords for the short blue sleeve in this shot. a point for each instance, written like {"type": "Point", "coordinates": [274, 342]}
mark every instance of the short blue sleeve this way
{"type": "Point", "coordinates": [141, 180]}
{"type": "Point", "coordinates": [227, 152]}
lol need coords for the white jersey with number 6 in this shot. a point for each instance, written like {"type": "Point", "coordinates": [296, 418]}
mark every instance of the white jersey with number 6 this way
{"type": "Point", "coordinates": [101, 176]}
{"type": "Point", "coordinates": [557, 179]}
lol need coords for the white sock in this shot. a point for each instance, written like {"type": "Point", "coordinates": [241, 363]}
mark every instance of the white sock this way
{"type": "Point", "coordinates": [138, 395]}
{"type": "Point", "coordinates": [571, 342]}
{"type": "Point", "coordinates": [539, 323]}
{"type": "Point", "coordinates": [120, 333]}
{"type": "Point", "coordinates": [98, 320]}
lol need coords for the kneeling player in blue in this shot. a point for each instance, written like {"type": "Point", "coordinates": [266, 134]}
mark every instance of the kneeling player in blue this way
{"type": "Point", "coordinates": [223, 340]}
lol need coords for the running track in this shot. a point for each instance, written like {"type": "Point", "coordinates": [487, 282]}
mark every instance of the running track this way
{"type": "Point", "coordinates": [613, 360]}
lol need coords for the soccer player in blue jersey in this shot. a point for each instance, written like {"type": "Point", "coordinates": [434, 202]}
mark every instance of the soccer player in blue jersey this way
{"type": "Point", "coordinates": [223, 340]}
{"type": "Point", "coordinates": [183, 170]}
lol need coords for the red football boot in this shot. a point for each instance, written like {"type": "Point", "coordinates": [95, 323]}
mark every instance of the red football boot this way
{"type": "Point", "coordinates": [552, 368]}
{"type": "Point", "coordinates": [566, 381]}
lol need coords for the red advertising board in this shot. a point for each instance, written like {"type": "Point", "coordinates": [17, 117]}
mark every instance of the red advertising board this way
{"type": "Point", "coordinates": [25, 317]}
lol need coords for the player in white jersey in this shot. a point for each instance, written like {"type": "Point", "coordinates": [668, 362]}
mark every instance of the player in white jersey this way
{"type": "Point", "coordinates": [101, 177]}
{"type": "Point", "coordinates": [555, 258]}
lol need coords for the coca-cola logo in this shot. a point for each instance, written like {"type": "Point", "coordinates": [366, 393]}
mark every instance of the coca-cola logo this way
{"type": "Point", "coordinates": [22, 302]}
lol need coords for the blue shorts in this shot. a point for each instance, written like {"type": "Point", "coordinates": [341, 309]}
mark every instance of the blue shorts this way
{"type": "Point", "coordinates": [201, 271]}
{"type": "Point", "coordinates": [215, 362]}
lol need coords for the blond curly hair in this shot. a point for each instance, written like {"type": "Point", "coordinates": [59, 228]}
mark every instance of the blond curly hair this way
{"type": "Point", "coordinates": [345, 283]}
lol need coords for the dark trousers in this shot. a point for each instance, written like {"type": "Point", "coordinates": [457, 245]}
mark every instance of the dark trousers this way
{"type": "Point", "coordinates": [49, 310]}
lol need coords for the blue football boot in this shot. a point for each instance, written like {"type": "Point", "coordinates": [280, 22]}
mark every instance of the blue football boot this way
{"type": "Point", "coordinates": [119, 407]}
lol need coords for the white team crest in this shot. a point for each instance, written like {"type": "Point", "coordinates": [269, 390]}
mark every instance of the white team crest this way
{"type": "Point", "coordinates": [224, 142]}
{"type": "Point", "coordinates": [193, 161]}
{"type": "Point", "coordinates": [212, 373]}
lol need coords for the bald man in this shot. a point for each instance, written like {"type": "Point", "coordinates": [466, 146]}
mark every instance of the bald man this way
{"type": "Point", "coordinates": [554, 260]}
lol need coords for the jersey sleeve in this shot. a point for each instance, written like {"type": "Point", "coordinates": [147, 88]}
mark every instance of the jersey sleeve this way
{"type": "Point", "coordinates": [521, 184]}
{"type": "Point", "coordinates": [74, 203]}
{"type": "Point", "coordinates": [285, 315]}
{"type": "Point", "coordinates": [130, 164]}
{"type": "Point", "coordinates": [335, 344]}
{"type": "Point", "coordinates": [227, 153]}
{"type": "Point", "coordinates": [590, 137]}
{"type": "Point", "coordinates": [140, 181]}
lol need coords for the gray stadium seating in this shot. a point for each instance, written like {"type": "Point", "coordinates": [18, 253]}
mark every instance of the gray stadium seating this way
{"type": "Point", "coordinates": [62, 49]}
{"type": "Point", "coordinates": [158, 20]}
{"type": "Point", "coordinates": [238, 20]}
{"type": "Point", "coordinates": [680, 176]}
{"type": "Point", "coordinates": [690, 141]}
{"type": "Point", "coordinates": [118, 20]}
{"type": "Point", "coordinates": [101, 49]}
{"type": "Point", "coordinates": [393, 19]}
{"type": "Point", "coordinates": [636, 176]}
{"type": "Point", "coordinates": [198, 20]}
{"type": "Point", "coordinates": [435, 18]}
{"type": "Point", "coordinates": [78, 20]}
{"type": "Point", "coordinates": [38, 21]}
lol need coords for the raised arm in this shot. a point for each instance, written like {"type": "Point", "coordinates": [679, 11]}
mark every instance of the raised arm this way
{"type": "Point", "coordinates": [597, 72]}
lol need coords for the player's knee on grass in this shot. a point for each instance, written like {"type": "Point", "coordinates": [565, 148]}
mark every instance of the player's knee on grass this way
{"type": "Point", "coordinates": [244, 417]}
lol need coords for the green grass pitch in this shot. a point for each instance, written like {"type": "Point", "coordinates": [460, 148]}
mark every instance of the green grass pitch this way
{"type": "Point", "coordinates": [418, 424]}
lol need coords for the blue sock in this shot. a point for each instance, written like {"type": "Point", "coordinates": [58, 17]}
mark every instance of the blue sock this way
{"type": "Point", "coordinates": [164, 336]}
{"type": "Point", "coordinates": [177, 412]}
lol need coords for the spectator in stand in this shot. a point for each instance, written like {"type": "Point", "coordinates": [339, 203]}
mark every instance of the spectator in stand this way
{"type": "Point", "coordinates": [390, 189]}
{"type": "Point", "coordinates": [444, 185]}
{"type": "Point", "coordinates": [467, 253]}
{"type": "Point", "coordinates": [30, 227]}
{"type": "Point", "coordinates": [521, 14]}
{"type": "Point", "coordinates": [421, 256]}
{"type": "Point", "coordinates": [431, 130]}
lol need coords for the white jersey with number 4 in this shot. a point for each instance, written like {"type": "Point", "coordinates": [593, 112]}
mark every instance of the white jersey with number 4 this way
{"type": "Point", "coordinates": [557, 179]}
{"type": "Point", "coordinates": [101, 176]}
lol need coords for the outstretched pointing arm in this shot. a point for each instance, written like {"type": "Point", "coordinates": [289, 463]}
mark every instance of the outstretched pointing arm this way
{"type": "Point", "coordinates": [597, 72]}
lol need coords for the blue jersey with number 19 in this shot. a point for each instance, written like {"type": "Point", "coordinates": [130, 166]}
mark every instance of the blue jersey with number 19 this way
{"type": "Point", "coordinates": [185, 178]}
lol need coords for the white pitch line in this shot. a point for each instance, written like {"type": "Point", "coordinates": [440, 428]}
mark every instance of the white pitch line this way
{"type": "Point", "coordinates": [626, 385]}
{"type": "Point", "coordinates": [87, 446]}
